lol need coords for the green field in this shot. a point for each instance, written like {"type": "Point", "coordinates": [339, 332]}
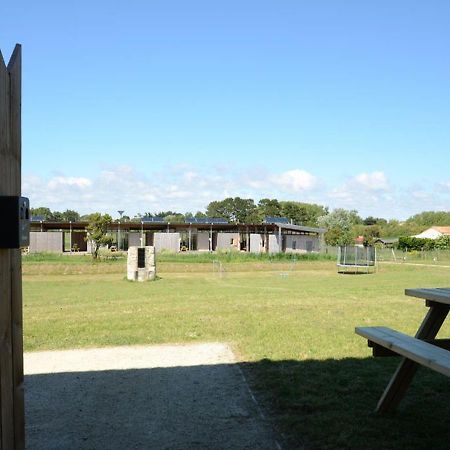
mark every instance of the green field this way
{"type": "Point", "coordinates": [291, 323]}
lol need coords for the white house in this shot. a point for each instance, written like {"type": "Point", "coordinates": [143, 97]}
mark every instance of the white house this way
{"type": "Point", "coordinates": [434, 233]}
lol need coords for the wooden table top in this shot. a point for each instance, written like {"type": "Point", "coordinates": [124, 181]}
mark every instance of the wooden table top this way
{"type": "Point", "coordinates": [439, 295]}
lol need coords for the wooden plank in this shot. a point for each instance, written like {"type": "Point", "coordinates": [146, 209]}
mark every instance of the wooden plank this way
{"type": "Point", "coordinates": [12, 431]}
{"type": "Point", "coordinates": [6, 381]}
{"type": "Point", "coordinates": [421, 352]}
{"type": "Point", "coordinates": [440, 295]}
{"type": "Point", "coordinates": [406, 370]}
{"type": "Point", "coordinates": [380, 351]}
{"type": "Point", "coordinates": [15, 75]}
{"type": "Point", "coordinates": [3, 74]}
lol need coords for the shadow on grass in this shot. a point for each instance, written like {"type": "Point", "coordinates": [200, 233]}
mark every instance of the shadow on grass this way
{"type": "Point", "coordinates": [314, 404]}
{"type": "Point", "coordinates": [330, 404]}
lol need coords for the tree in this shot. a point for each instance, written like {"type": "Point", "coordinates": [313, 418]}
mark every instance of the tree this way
{"type": "Point", "coordinates": [303, 213]}
{"type": "Point", "coordinates": [442, 242]}
{"type": "Point", "coordinates": [339, 224]}
{"type": "Point", "coordinates": [97, 232]}
{"type": "Point", "coordinates": [57, 217]}
{"type": "Point", "coordinates": [430, 218]}
{"type": "Point", "coordinates": [70, 215]}
{"type": "Point", "coordinates": [370, 220]}
{"type": "Point", "coordinates": [269, 208]}
{"type": "Point", "coordinates": [42, 211]}
{"type": "Point", "coordinates": [237, 210]}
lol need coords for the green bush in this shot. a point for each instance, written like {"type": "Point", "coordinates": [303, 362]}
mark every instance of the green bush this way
{"type": "Point", "coordinates": [410, 243]}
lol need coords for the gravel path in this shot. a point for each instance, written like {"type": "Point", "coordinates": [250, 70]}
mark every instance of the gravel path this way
{"type": "Point", "coordinates": [153, 397]}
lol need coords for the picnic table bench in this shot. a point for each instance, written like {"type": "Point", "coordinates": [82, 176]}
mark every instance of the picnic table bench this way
{"type": "Point", "coordinates": [423, 349]}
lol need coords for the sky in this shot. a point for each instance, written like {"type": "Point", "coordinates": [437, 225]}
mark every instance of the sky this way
{"type": "Point", "coordinates": [148, 105]}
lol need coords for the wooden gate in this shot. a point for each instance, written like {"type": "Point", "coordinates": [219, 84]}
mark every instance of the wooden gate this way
{"type": "Point", "coordinates": [12, 428]}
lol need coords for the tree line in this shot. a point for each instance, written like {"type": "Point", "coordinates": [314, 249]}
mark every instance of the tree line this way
{"type": "Point", "coordinates": [342, 225]}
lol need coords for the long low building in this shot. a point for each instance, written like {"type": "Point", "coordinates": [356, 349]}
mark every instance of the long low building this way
{"type": "Point", "coordinates": [274, 237]}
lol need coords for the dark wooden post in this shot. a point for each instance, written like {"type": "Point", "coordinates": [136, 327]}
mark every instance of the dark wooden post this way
{"type": "Point", "coordinates": [12, 427]}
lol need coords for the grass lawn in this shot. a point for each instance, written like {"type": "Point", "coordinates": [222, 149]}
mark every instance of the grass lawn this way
{"type": "Point", "coordinates": [291, 324]}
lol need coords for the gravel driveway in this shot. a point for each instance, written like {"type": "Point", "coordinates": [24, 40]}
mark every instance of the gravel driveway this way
{"type": "Point", "coordinates": [142, 397]}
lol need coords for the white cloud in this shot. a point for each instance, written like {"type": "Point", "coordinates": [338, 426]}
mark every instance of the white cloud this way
{"type": "Point", "coordinates": [444, 186]}
{"type": "Point", "coordinates": [375, 181]}
{"type": "Point", "coordinates": [184, 188]}
{"type": "Point", "coordinates": [296, 180]}
{"type": "Point", "coordinates": [58, 182]}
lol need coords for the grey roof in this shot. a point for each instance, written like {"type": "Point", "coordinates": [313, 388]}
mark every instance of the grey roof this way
{"type": "Point", "coordinates": [205, 220]}
{"type": "Point", "coordinates": [300, 228]}
{"type": "Point", "coordinates": [153, 219]}
{"type": "Point", "coordinates": [276, 220]}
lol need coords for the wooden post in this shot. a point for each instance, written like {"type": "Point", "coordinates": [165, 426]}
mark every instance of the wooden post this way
{"type": "Point", "coordinates": [12, 428]}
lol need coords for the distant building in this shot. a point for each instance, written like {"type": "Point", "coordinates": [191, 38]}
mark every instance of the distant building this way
{"type": "Point", "coordinates": [434, 233]}
{"type": "Point", "coordinates": [386, 242]}
{"type": "Point", "coordinates": [206, 234]}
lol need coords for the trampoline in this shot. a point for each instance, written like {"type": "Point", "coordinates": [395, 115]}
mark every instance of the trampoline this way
{"type": "Point", "coordinates": [356, 259]}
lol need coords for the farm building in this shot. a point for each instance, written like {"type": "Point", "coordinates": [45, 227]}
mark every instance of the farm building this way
{"type": "Point", "coordinates": [207, 235]}
{"type": "Point", "coordinates": [434, 233]}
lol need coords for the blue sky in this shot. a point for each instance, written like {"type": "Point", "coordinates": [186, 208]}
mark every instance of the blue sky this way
{"type": "Point", "coordinates": [149, 105]}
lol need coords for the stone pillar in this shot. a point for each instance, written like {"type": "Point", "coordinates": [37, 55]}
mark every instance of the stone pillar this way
{"type": "Point", "coordinates": [141, 265]}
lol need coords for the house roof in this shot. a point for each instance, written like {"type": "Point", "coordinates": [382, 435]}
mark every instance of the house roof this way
{"type": "Point", "coordinates": [386, 240]}
{"type": "Point", "coordinates": [443, 230]}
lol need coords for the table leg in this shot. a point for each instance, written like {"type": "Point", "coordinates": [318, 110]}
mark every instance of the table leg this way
{"type": "Point", "coordinates": [405, 372]}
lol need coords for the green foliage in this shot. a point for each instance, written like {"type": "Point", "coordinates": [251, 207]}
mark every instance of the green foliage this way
{"type": "Point", "coordinates": [374, 221]}
{"type": "Point", "coordinates": [306, 214]}
{"type": "Point", "coordinates": [269, 208]}
{"type": "Point", "coordinates": [70, 215]}
{"type": "Point", "coordinates": [395, 228]}
{"type": "Point", "coordinates": [41, 211]}
{"type": "Point", "coordinates": [235, 210]}
{"type": "Point", "coordinates": [410, 243]}
{"type": "Point", "coordinates": [442, 243]}
{"type": "Point", "coordinates": [97, 232]}
{"type": "Point", "coordinates": [339, 225]}
{"type": "Point", "coordinates": [431, 218]}
{"type": "Point", "coordinates": [55, 216]}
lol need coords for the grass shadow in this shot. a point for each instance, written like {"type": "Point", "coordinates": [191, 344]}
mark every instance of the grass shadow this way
{"type": "Point", "coordinates": [311, 404]}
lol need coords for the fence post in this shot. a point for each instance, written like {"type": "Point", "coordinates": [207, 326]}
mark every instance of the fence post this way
{"type": "Point", "coordinates": [12, 428]}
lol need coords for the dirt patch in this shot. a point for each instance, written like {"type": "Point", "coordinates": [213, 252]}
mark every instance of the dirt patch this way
{"type": "Point", "coordinates": [142, 397]}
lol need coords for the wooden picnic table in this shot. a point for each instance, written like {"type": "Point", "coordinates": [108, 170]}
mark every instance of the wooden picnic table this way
{"type": "Point", "coordinates": [423, 349]}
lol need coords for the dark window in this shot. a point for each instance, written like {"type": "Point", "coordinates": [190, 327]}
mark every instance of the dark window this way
{"type": "Point", "coordinates": [141, 258]}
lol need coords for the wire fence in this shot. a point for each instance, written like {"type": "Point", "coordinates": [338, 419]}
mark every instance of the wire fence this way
{"type": "Point", "coordinates": [437, 257]}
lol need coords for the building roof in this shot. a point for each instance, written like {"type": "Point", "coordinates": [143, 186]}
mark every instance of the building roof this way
{"type": "Point", "coordinates": [386, 240]}
{"type": "Point", "coordinates": [443, 230]}
{"type": "Point", "coordinates": [154, 226]}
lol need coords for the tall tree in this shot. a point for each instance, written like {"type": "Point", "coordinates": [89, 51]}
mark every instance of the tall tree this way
{"type": "Point", "coordinates": [303, 213]}
{"type": "Point", "coordinates": [237, 210]}
{"type": "Point", "coordinates": [430, 218]}
{"type": "Point", "coordinates": [339, 224]}
{"type": "Point", "coordinates": [42, 211]}
{"type": "Point", "coordinates": [70, 215]}
{"type": "Point", "coordinates": [97, 232]}
{"type": "Point", "coordinates": [268, 207]}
